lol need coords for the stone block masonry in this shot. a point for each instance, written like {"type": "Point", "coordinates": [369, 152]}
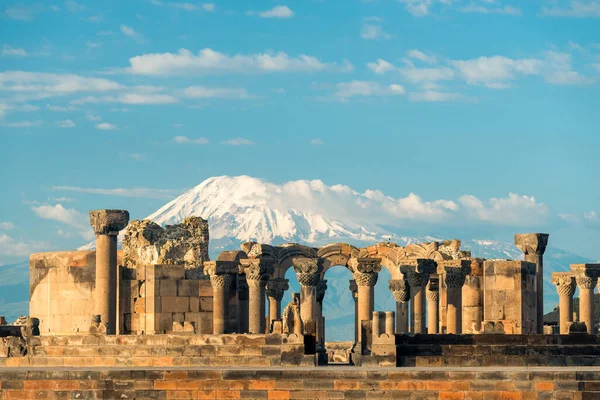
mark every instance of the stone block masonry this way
{"type": "Point", "coordinates": [298, 383]}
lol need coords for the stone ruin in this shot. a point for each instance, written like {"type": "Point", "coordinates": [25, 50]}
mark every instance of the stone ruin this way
{"type": "Point", "coordinates": [163, 283]}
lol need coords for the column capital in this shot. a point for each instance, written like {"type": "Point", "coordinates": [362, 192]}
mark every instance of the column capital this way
{"type": "Point", "coordinates": [108, 222]}
{"type": "Point", "coordinates": [257, 268]}
{"type": "Point", "coordinates": [221, 281]}
{"type": "Point", "coordinates": [532, 243]}
{"type": "Point", "coordinates": [565, 283]}
{"type": "Point", "coordinates": [586, 275]}
{"type": "Point", "coordinates": [366, 279]}
{"type": "Point", "coordinates": [364, 265]}
{"type": "Point", "coordinates": [308, 270]}
{"type": "Point", "coordinates": [321, 288]}
{"type": "Point", "coordinates": [400, 289]}
{"type": "Point", "coordinates": [276, 287]}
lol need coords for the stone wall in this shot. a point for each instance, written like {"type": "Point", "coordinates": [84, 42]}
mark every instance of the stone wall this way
{"type": "Point", "coordinates": [165, 298]}
{"type": "Point", "coordinates": [61, 290]}
{"type": "Point", "coordinates": [510, 295]}
{"type": "Point", "coordinates": [296, 383]}
{"type": "Point", "coordinates": [162, 351]}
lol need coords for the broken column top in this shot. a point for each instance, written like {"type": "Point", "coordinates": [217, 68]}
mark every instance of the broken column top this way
{"type": "Point", "coordinates": [108, 222]}
{"type": "Point", "coordinates": [532, 243]}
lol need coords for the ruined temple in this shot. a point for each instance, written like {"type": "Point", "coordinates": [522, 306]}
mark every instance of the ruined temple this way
{"type": "Point", "coordinates": [160, 301]}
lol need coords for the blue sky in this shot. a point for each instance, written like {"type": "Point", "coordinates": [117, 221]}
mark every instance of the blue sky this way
{"type": "Point", "coordinates": [440, 98]}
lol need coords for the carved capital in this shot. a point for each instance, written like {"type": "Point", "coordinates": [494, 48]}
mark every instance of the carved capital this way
{"type": "Point", "coordinates": [417, 280]}
{"type": "Point", "coordinates": [305, 265]}
{"type": "Point", "coordinates": [400, 289]}
{"type": "Point", "coordinates": [565, 284]}
{"type": "Point", "coordinates": [220, 267]}
{"type": "Point", "coordinates": [108, 222]}
{"type": "Point", "coordinates": [276, 288]}
{"type": "Point", "coordinates": [586, 282]}
{"type": "Point", "coordinates": [532, 243]}
{"type": "Point", "coordinates": [366, 279]}
{"type": "Point", "coordinates": [454, 279]}
{"type": "Point", "coordinates": [432, 296]}
{"type": "Point", "coordinates": [257, 269]}
{"type": "Point", "coordinates": [365, 265]}
{"type": "Point", "coordinates": [221, 281]}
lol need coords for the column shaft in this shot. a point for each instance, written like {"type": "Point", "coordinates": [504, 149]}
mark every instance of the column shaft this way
{"type": "Point", "coordinates": [586, 308]}
{"type": "Point", "coordinates": [256, 312]}
{"type": "Point", "coordinates": [539, 276]}
{"type": "Point", "coordinates": [418, 309]}
{"type": "Point", "coordinates": [220, 284]}
{"type": "Point", "coordinates": [402, 317]}
{"type": "Point", "coordinates": [366, 304]}
{"type": "Point", "coordinates": [308, 303]}
{"type": "Point", "coordinates": [565, 308]}
{"type": "Point", "coordinates": [454, 314]}
{"type": "Point", "coordinates": [433, 315]}
{"type": "Point", "coordinates": [106, 281]}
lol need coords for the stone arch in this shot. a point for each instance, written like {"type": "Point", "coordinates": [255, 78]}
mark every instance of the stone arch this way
{"type": "Point", "coordinates": [390, 253]}
{"type": "Point", "coordinates": [426, 250]}
{"type": "Point", "coordinates": [259, 250]}
{"type": "Point", "coordinates": [337, 254]}
{"type": "Point", "coordinates": [287, 253]}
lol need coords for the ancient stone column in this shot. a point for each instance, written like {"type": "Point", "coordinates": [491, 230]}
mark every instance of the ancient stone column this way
{"type": "Point", "coordinates": [401, 292]}
{"type": "Point", "coordinates": [308, 271]}
{"type": "Point", "coordinates": [433, 306]}
{"type": "Point", "coordinates": [454, 282]}
{"type": "Point", "coordinates": [365, 271]}
{"type": "Point", "coordinates": [257, 274]}
{"type": "Point", "coordinates": [243, 296]}
{"type": "Point", "coordinates": [107, 224]}
{"type": "Point", "coordinates": [586, 277]}
{"type": "Point", "coordinates": [321, 289]}
{"type": "Point", "coordinates": [276, 287]}
{"type": "Point", "coordinates": [565, 286]}
{"type": "Point", "coordinates": [354, 290]}
{"type": "Point", "coordinates": [472, 298]}
{"type": "Point", "coordinates": [533, 246]}
{"type": "Point", "coordinates": [220, 285]}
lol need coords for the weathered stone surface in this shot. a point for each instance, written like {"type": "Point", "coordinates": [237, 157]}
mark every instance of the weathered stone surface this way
{"type": "Point", "coordinates": [108, 222]}
{"type": "Point", "coordinates": [147, 243]}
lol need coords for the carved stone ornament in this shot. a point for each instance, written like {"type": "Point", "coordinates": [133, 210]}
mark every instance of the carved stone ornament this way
{"type": "Point", "coordinates": [108, 222]}
{"type": "Point", "coordinates": [532, 243]}
{"type": "Point", "coordinates": [365, 265]}
{"type": "Point", "coordinates": [276, 288]}
{"type": "Point", "coordinates": [221, 281]}
{"type": "Point", "coordinates": [400, 289]}
{"type": "Point", "coordinates": [565, 284]}
{"type": "Point", "coordinates": [255, 269]}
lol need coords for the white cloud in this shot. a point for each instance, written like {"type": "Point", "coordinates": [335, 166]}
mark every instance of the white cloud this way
{"type": "Point", "coordinates": [147, 193]}
{"type": "Point", "coordinates": [480, 9]}
{"type": "Point", "coordinates": [591, 216]}
{"type": "Point", "coordinates": [275, 12]}
{"type": "Point", "coordinates": [93, 118]}
{"type": "Point", "coordinates": [210, 7]}
{"type": "Point", "coordinates": [418, 8]}
{"type": "Point", "coordinates": [187, 140]}
{"type": "Point", "coordinates": [130, 32]}
{"type": "Point", "coordinates": [238, 142]}
{"type": "Point", "coordinates": [345, 90]}
{"type": "Point", "coordinates": [138, 156]}
{"type": "Point", "coordinates": [373, 32]}
{"type": "Point", "coordinates": [67, 123]}
{"type": "Point", "coordinates": [210, 61]}
{"type": "Point", "coordinates": [74, 7]}
{"type": "Point", "coordinates": [574, 8]}
{"type": "Point", "coordinates": [60, 108]}
{"type": "Point", "coordinates": [105, 126]}
{"type": "Point", "coordinates": [559, 70]}
{"type": "Point", "coordinates": [513, 210]}
{"type": "Point", "coordinates": [92, 45]}
{"type": "Point", "coordinates": [129, 98]}
{"type": "Point", "coordinates": [13, 51]}
{"type": "Point", "coordinates": [67, 216]}
{"type": "Point", "coordinates": [6, 225]}
{"type": "Point", "coordinates": [434, 96]}
{"type": "Point", "coordinates": [205, 92]}
{"type": "Point", "coordinates": [316, 142]}
{"type": "Point", "coordinates": [489, 70]}
{"type": "Point", "coordinates": [23, 124]}
{"type": "Point", "coordinates": [419, 55]}
{"type": "Point", "coordinates": [381, 66]}
{"type": "Point", "coordinates": [10, 247]}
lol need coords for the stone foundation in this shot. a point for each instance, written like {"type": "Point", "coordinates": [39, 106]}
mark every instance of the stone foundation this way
{"type": "Point", "coordinates": [296, 383]}
{"type": "Point", "coordinates": [162, 351]}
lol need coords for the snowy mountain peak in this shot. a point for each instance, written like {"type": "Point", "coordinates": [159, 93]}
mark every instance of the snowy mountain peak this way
{"type": "Point", "coordinates": [247, 208]}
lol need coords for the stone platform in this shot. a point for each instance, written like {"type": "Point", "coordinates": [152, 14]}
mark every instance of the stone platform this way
{"type": "Point", "coordinates": [300, 383]}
